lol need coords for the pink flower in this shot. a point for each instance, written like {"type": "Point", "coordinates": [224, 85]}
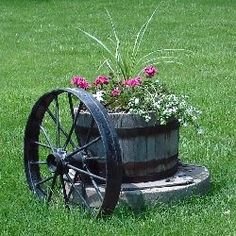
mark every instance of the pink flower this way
{"type": "Point", "coordinates": [115, 92]}
{"type": "Point", "coordinates": [80, 82]}
{"type": "Point", "coordinates": [101, 80]}
{"type": "Point", "coordinates": [150, 71]}
{"type": "Point", "coordinates": [132, 82]}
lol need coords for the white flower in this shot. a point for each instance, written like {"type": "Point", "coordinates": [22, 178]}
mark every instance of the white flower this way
{"type": "Point", "coordinates": [98, 95]}
{"type": "Point", "coordinates": [136, 101]}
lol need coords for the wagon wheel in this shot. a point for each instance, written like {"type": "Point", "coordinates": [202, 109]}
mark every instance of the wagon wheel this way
{"type": "Point", "coordinates": [64, 160]}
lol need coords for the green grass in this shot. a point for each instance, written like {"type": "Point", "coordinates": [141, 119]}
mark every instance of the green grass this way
{"type": "Point", "coordinates": [41, 48]}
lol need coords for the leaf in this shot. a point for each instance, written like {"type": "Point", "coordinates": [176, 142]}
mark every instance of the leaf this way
{"type": "Point", "coordinates": [98, 41]}
{"type": "Point", "coordinates": [151, 61]}
{"type": "Point", "coordinates": [158, 50]}
{"type": "Point", "coordinates": [101, 65]}
{"type": "Point", "coordinates": [139, 37]}
{"type": "Point", "coordinates": [110, 67]}
{"type": "Point", "coordinates": [115, 34]}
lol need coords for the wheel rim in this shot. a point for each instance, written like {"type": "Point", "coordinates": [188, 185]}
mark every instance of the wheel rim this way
{"type": "Point", "coordinates": [59, 163]}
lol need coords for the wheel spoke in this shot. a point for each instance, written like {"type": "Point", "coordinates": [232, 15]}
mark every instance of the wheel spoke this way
{"type": "Point", "coordinates": [83, 147]}
{"type": "Point", "coordinates": [78, 192]}
{"type": "Point", "coordinates": [42, 144]}
{"type": "Point", "coordinates": [61, 127]}
{"type": "Point", "coordinates": [43, 181]}
{"type": "Point", "coordinates": [71, 189]}
{"type": "Point", "coordinates": [37, 162]}
{"type": "Point", "coordinates": [66, 199]}
{"type": "Point", "coordinates": [52, 188]}
{"type": "Point", "coordinates": [72, 112]}
{"type": "Point", "coordinates": [47, 137]}
{"type": "Point", "coordinates": [90, 143]}
{"type": "Point", "coordinates": [95, 185]}
{"type": "Point", "coordinates": [95, 158]}
{"type": "Point", "coordinates": [58, 125]}
{"type": "Point", "coordinates": [73, 126]}
{"type": "Point", "coordinates": [71, 106]}
{"type": "Point", "coordinates": [87, 173]}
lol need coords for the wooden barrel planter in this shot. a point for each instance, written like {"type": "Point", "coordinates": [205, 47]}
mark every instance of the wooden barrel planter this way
{"type": "Point", "coordinates": [149, 150]}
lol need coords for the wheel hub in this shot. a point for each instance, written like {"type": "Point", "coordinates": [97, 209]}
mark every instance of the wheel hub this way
{"type": "Point", "coordinates": [56, 163]}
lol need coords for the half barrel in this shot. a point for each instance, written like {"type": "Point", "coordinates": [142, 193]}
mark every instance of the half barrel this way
{"type": "Point", "coordinates": [149, 150]}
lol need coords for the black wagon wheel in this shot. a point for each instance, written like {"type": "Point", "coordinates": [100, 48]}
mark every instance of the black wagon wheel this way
{"type": "Point", "coordinates": [72, 153]}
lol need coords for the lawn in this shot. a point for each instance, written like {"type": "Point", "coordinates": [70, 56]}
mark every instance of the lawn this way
{"type": "Point", "coordinates": [41, 48]}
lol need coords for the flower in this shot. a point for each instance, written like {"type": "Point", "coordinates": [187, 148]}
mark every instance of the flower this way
{"type": "Point", "coordinates": [150, 71]}
{"type": "Point", "coordinates": [132, 82]}
{"type": "Point", "coordinates": [136, 101]}
{"type": "Point", "coordinates": [98, 95]}
{"type": "Point", "coordinates": [80, 82]}
{"type": "Point", "coordinates": [100, 80]}
{"type": "Point", "coordinates": [115, 92]}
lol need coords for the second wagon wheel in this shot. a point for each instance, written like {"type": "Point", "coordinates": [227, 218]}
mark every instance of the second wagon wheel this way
{"type": "Point", "coordinates": [71, 150]}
